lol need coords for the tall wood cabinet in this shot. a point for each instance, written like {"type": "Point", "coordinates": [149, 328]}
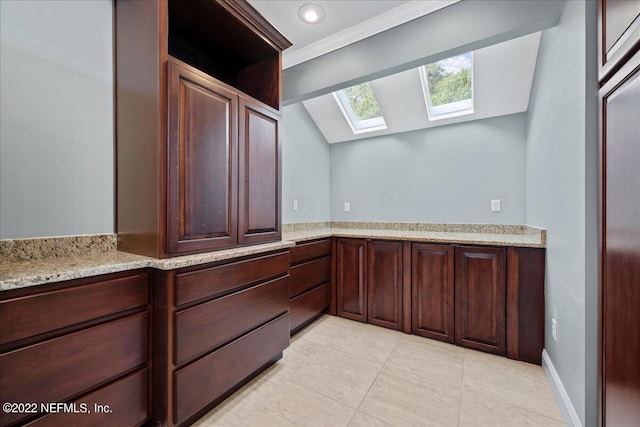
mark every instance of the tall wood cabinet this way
{"type": "Point", "coordinates": [198, 88]}
{"type": "Point", "coordinates": [619, 48]}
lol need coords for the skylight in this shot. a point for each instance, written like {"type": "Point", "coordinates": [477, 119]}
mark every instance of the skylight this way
{"type": "Point", "coordinates": [448, 86]}
{"type": "Point", "coordinates": [360, 107]}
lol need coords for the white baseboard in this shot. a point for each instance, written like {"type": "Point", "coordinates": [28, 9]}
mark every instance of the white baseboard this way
{"type": "Point", "coordinates": [564, 403]}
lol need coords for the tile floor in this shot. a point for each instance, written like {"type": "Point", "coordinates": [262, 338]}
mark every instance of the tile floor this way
{"type": "Point", "coordinates": [339, 372]}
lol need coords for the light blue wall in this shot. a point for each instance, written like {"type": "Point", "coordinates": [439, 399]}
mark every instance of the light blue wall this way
{"type": "Point", "coordinates": [305, 168]}
{"type": "Point", "coordinates": [56, 118]}
{"type": "Point", "coordinates": [444, 174]}
{"type": "Point", "coordinates": [561, 144]}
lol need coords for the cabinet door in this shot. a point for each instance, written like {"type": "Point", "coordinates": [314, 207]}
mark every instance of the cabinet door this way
{"type": "Point", "coordinates": [432, 291]}
{"type": "Point", "coordinates": [384, 273]}
{"type": "Point", "coordinates": [202, 161]}
{"type": "Point", "coordinates": [481, 298]}
{"type": "Point", "coordinates": [351, 278]}
{"type": "Point", "coordinates": [620, 299]}
{"type": "Point", "coordinates": [260, 160]}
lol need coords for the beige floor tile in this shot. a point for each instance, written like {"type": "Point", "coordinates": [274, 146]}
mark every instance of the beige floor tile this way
{"type": "Point", "coordinates": [429, 359]}
{"type": "Point", "coordinates": [399, 402]}
{"type": "Point", "coordinates": [297, 406]}
{"type": "Point", "coordinates": [360, 419]}
{"type": "Point", "coordinates": [477, 410]}
{"type": "Point", "coordinates": [322, 331]}
{"type": "Point", "coordinates": [519, 384]}
{"type": "Point", "coordinates": [340, 376]}
{"type": "Point", "coordinates": [370, 343]}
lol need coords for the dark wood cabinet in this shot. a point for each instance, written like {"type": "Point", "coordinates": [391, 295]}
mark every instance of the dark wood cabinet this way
{"type": "Point", "coordinates": [619, 34]}
{"type": "Point", "coordinates": [202, 162]}
{"type": "Point", "coordinates": [432, 294]}
{"type": "Point", "coordinates": [620, 245]}
{"type": "Point", "coordinates": [385, 284]}
{"type": "Point", "coordinates": [480, 298]}
{"type": "Point", "coordinates": [260, 175]}
{"type": "Point", "coordinates": [78, 341]}
{"type": "Point", "coordinates": [198, 87]}
{"type": "Point", "coordinates": [310, 281]}
{"type": "Point", "coordinates": [351, 278]}
{"type": "Point", "coordinates": [215, 327]}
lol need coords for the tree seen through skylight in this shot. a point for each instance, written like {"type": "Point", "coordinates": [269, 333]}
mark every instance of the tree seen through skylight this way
{"type": "Point", "coordinates": [449, 80]}
{"type": "Point", "coordinates": [363, 101]}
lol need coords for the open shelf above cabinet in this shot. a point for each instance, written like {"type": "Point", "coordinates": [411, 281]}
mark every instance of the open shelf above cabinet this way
{"type": "Point", "coordinates": [210, 36]}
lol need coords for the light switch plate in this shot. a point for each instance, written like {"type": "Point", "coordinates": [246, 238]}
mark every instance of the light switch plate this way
{"type": "Point", "coordinates": [295, 205]}
{"type": "Point", "coordinates": [495, 205]}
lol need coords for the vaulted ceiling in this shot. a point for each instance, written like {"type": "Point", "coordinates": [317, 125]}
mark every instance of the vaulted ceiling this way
{"type": "Point", "coordinates": [383, 41]}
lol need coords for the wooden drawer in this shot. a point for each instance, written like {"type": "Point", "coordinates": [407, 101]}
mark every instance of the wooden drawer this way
{"type": "Point", "coordinates": [47, 311]}
{"type": "Point", "coordinates": [310, 250]}
{"type": "Point", "coordinates": [206, 326]}
{"type": "Point", "coordinates": [211, 377]}
{"type": "Point", "coordinates": [55, 370]}
{"type": "Point", "coordinates": [128, 405]}
{"type": "Point", "coordinates": [226, 278]}
{"type": "Point", "coordinates": [308, 305]}
{"type": "Point", "coordinates": [306, 276]}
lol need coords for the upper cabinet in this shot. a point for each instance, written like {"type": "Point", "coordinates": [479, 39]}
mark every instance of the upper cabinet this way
{"type": "Point", "coordinates": [198, 91]}
{"type": "Point", "coordinates": [618, 32]}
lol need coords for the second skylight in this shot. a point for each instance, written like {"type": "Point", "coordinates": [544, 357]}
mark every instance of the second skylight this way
{"type": "Point", "coordinates": [448, 86]}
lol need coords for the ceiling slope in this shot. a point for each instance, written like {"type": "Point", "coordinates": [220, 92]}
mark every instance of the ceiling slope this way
{"type": "Point", "coordinates": [465, 26]}
{"type": "Point", "coordinates": [502, 79]}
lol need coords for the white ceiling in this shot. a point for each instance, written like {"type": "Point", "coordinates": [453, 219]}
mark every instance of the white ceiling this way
{"type": "Point", "coordinates": [502, 78]}
{"type": "Point", "coordinates": [345, 22]}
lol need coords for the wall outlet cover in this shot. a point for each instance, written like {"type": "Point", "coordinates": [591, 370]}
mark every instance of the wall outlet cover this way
{"type": "Point", "coordinates": [347, 207]}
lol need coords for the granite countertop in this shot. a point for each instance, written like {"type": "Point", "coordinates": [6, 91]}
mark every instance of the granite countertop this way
{"type": "Point", "coordinates": [32, 262]}
{"type": "Point", "coordinates": [22, 274]}
{"type": "Point", "coordinates": [476, 234]}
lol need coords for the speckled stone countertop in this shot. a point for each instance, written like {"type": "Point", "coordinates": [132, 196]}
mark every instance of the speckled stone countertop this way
{"type": "Point", "coordinates": [42, 270]}
{"type": "Point", "coordinates": [32, 262]}
{"type": "Point", "coordinates": [478, 234]}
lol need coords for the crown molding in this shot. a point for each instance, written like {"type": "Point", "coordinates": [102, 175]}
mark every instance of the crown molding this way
{"type": "Point", "coordinates": [397, 16]}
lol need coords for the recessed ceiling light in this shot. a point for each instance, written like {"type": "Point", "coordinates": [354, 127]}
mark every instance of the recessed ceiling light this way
{"type": "Point", "coordinates": [311, 13]}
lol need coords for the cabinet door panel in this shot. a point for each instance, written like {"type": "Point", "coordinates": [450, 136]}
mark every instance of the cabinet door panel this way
{"type": "Point", "coordinates": [621, 248]}
{"type": "Point", "coordinates": [384, 264]}
{"type": "Point", "coordinates": [351, 278]}
{"type": "Point", "coordinates": [432, 294]}
{"type": "Point", "coordinates": [619, 33]}
{"type": "Point", "coordinates": [259, 211]}
{"type": "Point", "coordinates": [202, 181]}
{"type": "Point", "coordinates": [481, 298]}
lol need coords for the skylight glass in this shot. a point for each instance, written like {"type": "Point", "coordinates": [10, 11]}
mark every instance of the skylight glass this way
{"type": "Point", "coordinates": [448, 86]}
{"type": "Point", "coordinates": [360, 107]}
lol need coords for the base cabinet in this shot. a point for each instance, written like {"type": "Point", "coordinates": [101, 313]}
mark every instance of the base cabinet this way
{"type": "Point", "coordinates": [351, 278]}
{"type": "Point", "coordinates": [486, 298]}
{"type": "Point", "coordinates": [216, 326]}
{"type": "Point", "coordinates": [481, 288]}
{"type": "Point", "coordinates": [384, 283]}
{"type": "Point", "coordinates": [84, 341]}
{"type": "Point", "coordinates": [309, 285]}
{"type": "Point", "coordinates": [432, 291]}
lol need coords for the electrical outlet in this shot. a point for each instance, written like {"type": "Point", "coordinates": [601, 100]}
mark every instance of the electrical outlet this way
{"type": "Point", "coordinates": [295, 205]}
{"type": "Point", "coordinates": [347, 207]}
{"type": "Point", "coordinates": [554, 330]}
{"type": "Point", "coordinates": [495, 205]}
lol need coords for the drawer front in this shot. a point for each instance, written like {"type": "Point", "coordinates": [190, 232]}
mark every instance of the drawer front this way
{"type": "Point", "coordinates": [308, 305]}
{"type": "Point", "coordinates": [128, 405]}
{"type": "Point", "coordinates": [213, 281]}
{"type": "Point", "coordinates": [207, 379]}
{"type": "Point", "coordinates": [44, 312]}
{"type": "Point", "coordinates": [54, 370]}
{"type": "Point", "coordinates": [306, 276]}
{"type": "Point", "coordinates": [306, 251]}
{"type": "Point", "coordinates": [206, 326]}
